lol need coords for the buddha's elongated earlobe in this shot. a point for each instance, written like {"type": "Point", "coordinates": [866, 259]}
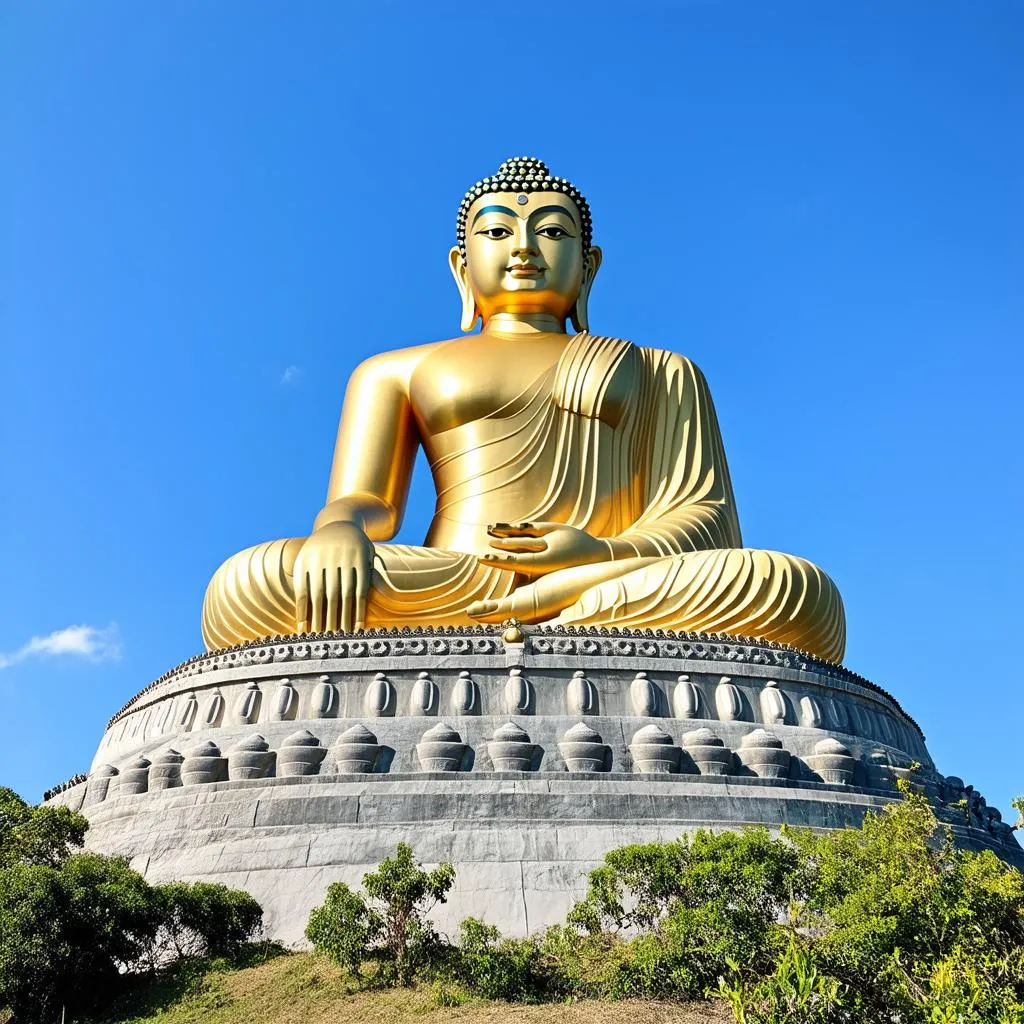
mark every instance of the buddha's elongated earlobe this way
{"type": "Point", "coordinates": [579, 313]}
{"type": "Point", "coordinates": [460, 272]}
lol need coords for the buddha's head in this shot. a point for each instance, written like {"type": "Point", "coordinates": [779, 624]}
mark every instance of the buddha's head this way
{"type": "Point", "coordinates": [524, 246]}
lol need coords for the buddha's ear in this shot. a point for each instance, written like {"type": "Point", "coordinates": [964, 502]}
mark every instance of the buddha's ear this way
{"type": "Point", "coordinates": [590, 269]}
{"type": "Point", "coordinates": [461, 274]}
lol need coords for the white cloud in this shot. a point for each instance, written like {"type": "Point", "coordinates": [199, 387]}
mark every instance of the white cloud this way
{"type": "Point", "coordinates": [291, 374]}
{"type": "Point", "coordinates": [78, 641]}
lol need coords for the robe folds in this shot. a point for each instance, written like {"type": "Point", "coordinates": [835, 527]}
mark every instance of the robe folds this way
{"type": "Point", "coordinates": [617, 440]}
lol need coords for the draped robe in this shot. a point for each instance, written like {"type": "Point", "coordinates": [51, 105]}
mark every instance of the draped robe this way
{"type": "Point", "coordinates": [617, 440]}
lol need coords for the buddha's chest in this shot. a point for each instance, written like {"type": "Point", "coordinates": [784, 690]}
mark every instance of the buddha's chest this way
{"type": "Point", "coordinates": [473, 381]}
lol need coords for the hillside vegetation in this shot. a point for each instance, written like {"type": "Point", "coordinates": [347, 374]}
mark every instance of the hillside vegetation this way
{"type": "Point", "coordinates": [303, 988]}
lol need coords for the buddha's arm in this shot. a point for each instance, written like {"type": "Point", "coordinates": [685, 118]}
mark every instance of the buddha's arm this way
{"type": "Point", "coordinates": [375, 450]}
{"type": "Point", "coordinates": [688, 493]}
{"type": "Point", "coordinates": [370, 477]}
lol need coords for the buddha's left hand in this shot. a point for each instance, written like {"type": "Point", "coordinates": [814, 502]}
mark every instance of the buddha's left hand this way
{"type": "Point", "coordinates": [535, 549]}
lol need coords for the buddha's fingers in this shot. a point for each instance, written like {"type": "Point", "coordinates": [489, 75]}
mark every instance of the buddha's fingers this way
{"type": "Point", "coordinates": [520, 544]}
{"type": "Point", "coordinates": [302, 616]}
{"type": "Point", "coordinates": [547, 596]}
{"type": "Point", "coordinates": [334, 596]}
{"type": "Point", "coordinates": [362, 597]}
{"type": "Point", "coordinates": [318, 600]}
{"type": "Point", "coordinates": [348, 600]}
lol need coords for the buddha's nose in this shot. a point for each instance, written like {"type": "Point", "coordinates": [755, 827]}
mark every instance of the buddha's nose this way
{"type": "Point", "coordinates": [522, 251]}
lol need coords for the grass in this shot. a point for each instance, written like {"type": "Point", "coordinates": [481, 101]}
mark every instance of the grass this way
{"type": "Point", "coordinates": [276, 987]}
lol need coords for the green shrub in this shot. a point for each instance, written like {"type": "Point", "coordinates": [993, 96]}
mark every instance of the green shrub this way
{"type": "Point", "coordinates": [37, 835]}
{"type": "Point", "coordinates": [75, 927]}
{"type": "Point", "coordinates": [344, 927]}
{"type": "Point", "coordinates": [921, 931]}
{"type": "Point", "coordinates": [796, 992]}
{"type": "Point", "coordinates": [691, 906]}
{"type": "Point", "coordinates": [388, 924]}
{"type": "Point", "coordinates": [206, 918]}
{"type": "Point", "coordinates": [496, 968]}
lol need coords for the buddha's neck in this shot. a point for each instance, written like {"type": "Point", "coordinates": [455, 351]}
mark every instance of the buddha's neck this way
{"type": "Point", "coordinates": [524, 323]}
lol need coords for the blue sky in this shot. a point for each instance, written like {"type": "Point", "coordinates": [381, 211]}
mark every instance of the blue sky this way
{"type": "Point", "coordinates": [211, 212]}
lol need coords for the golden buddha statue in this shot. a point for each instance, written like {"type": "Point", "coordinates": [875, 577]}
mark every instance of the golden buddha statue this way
{"type": "Point", "coordinates": [580, 479]}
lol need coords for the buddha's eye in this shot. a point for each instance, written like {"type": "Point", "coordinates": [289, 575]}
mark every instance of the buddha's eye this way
{"type": "Point", "coordinates": [553, 231]}
{"type": "Point", "coordinates": [496, 232]}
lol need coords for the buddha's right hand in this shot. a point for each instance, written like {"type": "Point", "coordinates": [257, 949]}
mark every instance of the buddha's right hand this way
{"type": "Point", "coordinates": [332, 579]}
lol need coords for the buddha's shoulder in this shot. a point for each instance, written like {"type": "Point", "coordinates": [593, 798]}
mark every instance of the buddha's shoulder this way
{"type": "Point", "coordinates": [653, 358]}
{"type": "Point", "coordinates": [398, 363]}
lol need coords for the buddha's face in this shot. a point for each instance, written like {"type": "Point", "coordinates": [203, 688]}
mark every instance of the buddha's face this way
{"type": "Point", "coordinates": [524, 254]}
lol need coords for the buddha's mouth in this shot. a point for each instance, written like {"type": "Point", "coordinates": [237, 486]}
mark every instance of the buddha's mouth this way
{"type": "Point", "coordinates": [525, 270]}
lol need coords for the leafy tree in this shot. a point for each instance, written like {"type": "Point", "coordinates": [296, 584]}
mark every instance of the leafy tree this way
{"type": "Point", "coordinates": [916, 928]}
{"type": "Point", "coordinates": [73, 927]}
{"type": "Point", "coordinates": [499, 968]}
{"type": "Point", "coordinates": [388, 924]}
{"type": "Point", "coordinates": [344, 927]}
{"type": "Point", "coordinates": [37, 835]}
{"type": "Point", "coordinates": [691, 906]}
{"type": "Point", "coordinates": [204, 919]}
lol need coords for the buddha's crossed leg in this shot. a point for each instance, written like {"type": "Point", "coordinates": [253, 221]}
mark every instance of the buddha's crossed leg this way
{"type": "Point", "coordinates": [763, 594]}
{"type": "Point", "coordinates": [252, 595]}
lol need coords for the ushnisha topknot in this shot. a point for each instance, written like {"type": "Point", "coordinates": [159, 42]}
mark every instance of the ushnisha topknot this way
{"type": "Point", "coordinates": [524, 174]}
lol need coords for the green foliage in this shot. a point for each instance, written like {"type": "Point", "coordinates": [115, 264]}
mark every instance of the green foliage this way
{"type": "Point", "coordinates": [495, 968]}
{"type": "Point", "coordinates": [73, 927]}
{"type": "Point", "coordinates": [919, 930]}
{"type": "Point", "coordinates": [889, 923]}
{"type": "Point", "coordinates": [692, 906]}
{"type": "Point", "coordinates": [796, 992]}
{"type": "Point", "coordinates": [388, 924]}
{"type": "Point", "coordinates": [344, 927]}
{"type": "Point", "coordinates": [205, 919]}
{"type": "Point", "coordinates": [37, 835]}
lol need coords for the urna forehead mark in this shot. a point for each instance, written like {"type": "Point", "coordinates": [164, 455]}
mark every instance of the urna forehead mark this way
{"type": "Point", "coordinates": [525, 214]}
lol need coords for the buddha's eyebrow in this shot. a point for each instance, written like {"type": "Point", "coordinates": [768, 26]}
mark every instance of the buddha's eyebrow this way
{"type": "Point", "coordinates": [553, 209]}
{"type": "Point", "coordinates": [494, 209]}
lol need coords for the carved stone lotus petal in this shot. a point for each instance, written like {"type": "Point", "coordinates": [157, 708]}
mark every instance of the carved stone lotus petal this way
{"type": "Point", "coordinates": [686, 699]}
{"type": "Point", "coordinates": [465, 695]}
{"type": "Point", "coordinates": [582, 749]}
{"type": "Point", "coordinates": [773, 704]}
{"type": "Point", "coordinates": [203, 763]}
{"type": "Point", "coordinates": [423, 699]}
{"type": "Point", "coordinates": [708, 751]}
{"type": "Point", "coordinates": [188, 712]}
{"type": "Point", "coordinates": [762, 752]}
{"type": "Point", "coordinates": [810, 712]}
{"type": "Point", "coordinates": [517, 692]}
{"type": "Point", "coordinates": [300, 754]}
{"type": "Point", "coordinates": [286, 702]}
{"type": "Point", "coordinates": [832, 762]}
{"type": "Point", "coordinates": [379, 697]}
{"type": "Point", "coordinates": [653, 751]}
{"type": "Point", "coordinates": [251, 758]}
{"type": "Point", "coordinates": [840, 716]}
{"type": "Point", "coordinates": [728, 701]}
{"type": "Point", "coordinates": [643, 698]}
{"type": "Point", "coordinates": [510, 749]}
{"type": "Point", "coordinates": [214, 709]}
{"type": "Point", "coordinates": [247, 709]}
{"type": "Point", "coordinates": [356, 750]}
{"type": "Point", "coordinates": [441, 749]}
{"type": "Point", "coordinates": [580, 695]}
{"type": "Point", "coordinates": [325, 698]}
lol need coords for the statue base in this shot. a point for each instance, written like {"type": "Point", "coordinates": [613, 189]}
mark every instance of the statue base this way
{"type": "Point", "coordinates": [521, 757]}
